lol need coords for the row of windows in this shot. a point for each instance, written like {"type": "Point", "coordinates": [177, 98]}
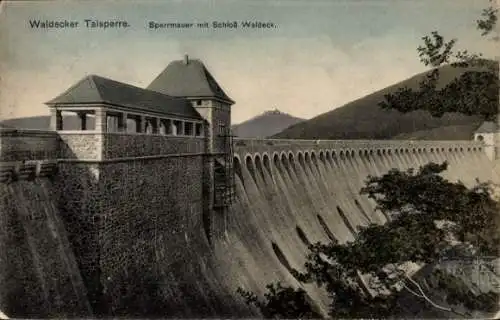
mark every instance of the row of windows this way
{"type": "Point", "coordinates": [131, 123]}
{"type": "Point", "coordinates": [161, 126]}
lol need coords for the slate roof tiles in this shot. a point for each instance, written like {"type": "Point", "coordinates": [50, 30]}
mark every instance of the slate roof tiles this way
{"type": "Point", "coordinates": [96, 89]}
{"type": "Point", "coordinates": [188, 78]}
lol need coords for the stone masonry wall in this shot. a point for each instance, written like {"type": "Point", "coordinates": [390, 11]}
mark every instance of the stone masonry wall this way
{"type": "Point", "coordinates": [117, 145]}
{"type": "Point", "coordinates": [27, 145]}
{"type": "Point", "coordinates": [98, 146]}
{"type": "Point", "coordinates": [130, 221]}
{"type": "Point", "coordinates": [78, 206]}
{"type": "Point", "coordinates": [80, 145]}
{"type": "Point", "coordinates": [149, 210]}
{"type": "Point", "coordinates": [221, 115]}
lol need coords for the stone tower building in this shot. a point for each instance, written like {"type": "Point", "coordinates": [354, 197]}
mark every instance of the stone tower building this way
{"type": "Point", "coordinates": [487, 133]}
{"type": "Point", "coordinates": [189, 79]}
{"type": "Point", "coordinates": [146, 172]}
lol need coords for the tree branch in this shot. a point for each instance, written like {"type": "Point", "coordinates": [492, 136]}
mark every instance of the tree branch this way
{"type": "Point", "coordinates": [423, 295]}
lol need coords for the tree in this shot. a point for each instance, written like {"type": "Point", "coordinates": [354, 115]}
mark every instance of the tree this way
{"type": "Point", "coordinates": [282, 302]}
{"type": "Point", "coordinates": [426, 196]}
{"type": "Point", "coordinates": [364, 277]}
{"type": "Point", "coordinates": [474, 92]}
{"type": "Point", "coordinates": [416, 202]}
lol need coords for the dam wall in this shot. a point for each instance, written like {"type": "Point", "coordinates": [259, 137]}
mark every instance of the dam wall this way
{"type": "Point", "coordinates": [291, 195]}
{"type": "Point", "coordinates": [135, 210]}
{"type": "Point", "coordinates": [39, 276]}
{"type": "Point", "coordinates": [117, 222]}
{"type": "Point", "coordinates": [243, 147]}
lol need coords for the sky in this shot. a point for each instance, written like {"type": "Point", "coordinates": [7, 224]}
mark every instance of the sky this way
{"type": "Point", "coordinates": [319, 56]}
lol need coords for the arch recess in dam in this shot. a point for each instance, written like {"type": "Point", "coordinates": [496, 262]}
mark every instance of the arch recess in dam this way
{"type": "Point", "coordinates": [290, 193]}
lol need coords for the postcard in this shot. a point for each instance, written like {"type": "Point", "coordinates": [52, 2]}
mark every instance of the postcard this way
{"type": "Point", "coordinates": [230, 158]}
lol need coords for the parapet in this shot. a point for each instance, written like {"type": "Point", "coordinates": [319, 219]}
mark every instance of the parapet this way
{"type": "Point", "coordinates": [20, 145]}
{"type": "Point", "coordinates": [26, 170]}
{"type": "Point", "coordinates": [27, 154]}
{"type": "Point", "coordinates": [244, 146]}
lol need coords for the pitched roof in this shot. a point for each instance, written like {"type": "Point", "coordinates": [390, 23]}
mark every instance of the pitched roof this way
{"type": "Point", "coordinates": [188, 78]}
{"type": "Point", "coordinates": [96, 89]}
{"type": "Point", "coordinates": [487, 127]}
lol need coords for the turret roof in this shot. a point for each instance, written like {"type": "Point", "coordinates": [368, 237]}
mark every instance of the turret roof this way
{"type": "Point", "coordinates": [488, 127]}
{"type": "Point", "coordinates": [188, 78]}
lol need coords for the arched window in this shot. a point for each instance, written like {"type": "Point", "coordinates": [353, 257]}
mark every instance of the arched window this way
{"type": "Point", "coordinates": [480, 138]}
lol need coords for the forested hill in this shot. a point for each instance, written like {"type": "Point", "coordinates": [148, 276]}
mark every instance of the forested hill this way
{"type": "Point", "coordinates": [265, 124]}
{"type": "Point", "coordinates": [365, 119]}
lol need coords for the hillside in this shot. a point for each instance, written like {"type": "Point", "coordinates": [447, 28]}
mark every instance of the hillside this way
{"type": "Point", "coordinates": [43, 122]}
{"type": "Point", "coordinates": [359, 119]}
{"type": "Point", "coordinates": [265, 124]}
{"type": "Point", "coordinates": [364, 119]}
{"type": "Point", "coordinates": [456, 132]}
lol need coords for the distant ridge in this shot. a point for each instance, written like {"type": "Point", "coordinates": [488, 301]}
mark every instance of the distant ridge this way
{"type": "Point", "coordinates": [261, 126]}
{"type": "Point", "coordinates": [364, 119]}
{"type": "Point", "coordinates": [359, 119]}
{"type": "Point", "coordinates": [264, 125]}
{"type": "Point", "coordinates": [43, 122]}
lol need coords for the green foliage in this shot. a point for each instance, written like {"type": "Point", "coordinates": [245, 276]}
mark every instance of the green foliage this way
{"type": "Point", "coordinates": [474, 92]}
{"type": "Point", "coordinates": [282, 302]}
{"type": "Point", "coordinates": [457, 292]}
{"type": "Point", "coordinates": [333, 267]}
{"type": "Point", "coordinates": [427, 196]}
{"type": "Point", "coordinates": [436, 51]}
{"type": "Point", "coordinates": [415, 200]}
{"type": "Point", "coordinates": [488, 21]}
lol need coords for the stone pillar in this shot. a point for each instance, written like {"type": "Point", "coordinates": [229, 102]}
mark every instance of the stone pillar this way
{"type": "Point", "coordinates": [101, 123]}
{"type": "Point", "coordinates": [161, 122]}
{"type": "Point", "coordinates": [56, 121]}
{"type": "Point", "coordinates": [122, 122]}
{"type": "Point", "coordinates": [174, 128]}
{"type": "Point", "coordinates": [181, 129]}
{"type": "Point", "coordinates": [142, 125]}
{"type": "Point", "coordinates": [83, 120]}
